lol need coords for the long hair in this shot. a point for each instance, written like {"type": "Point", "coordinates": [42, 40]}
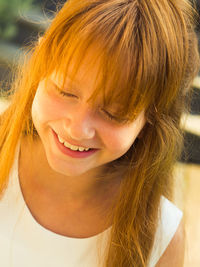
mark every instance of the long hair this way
{"type": "Point", "coordinates": [148, 58]}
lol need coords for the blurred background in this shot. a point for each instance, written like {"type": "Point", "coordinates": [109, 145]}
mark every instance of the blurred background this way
{"type": "Point", "coordinates": [22, 21]}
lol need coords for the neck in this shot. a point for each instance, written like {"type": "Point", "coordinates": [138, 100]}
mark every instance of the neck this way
{"type": "Point", "coordinates": [56, 186]}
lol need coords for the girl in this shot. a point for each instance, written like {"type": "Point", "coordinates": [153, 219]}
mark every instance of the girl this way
{"type": "Point", "coordinates": [91, 135]}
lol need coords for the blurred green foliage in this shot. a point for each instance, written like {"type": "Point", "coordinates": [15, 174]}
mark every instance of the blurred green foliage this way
{"type": "Point", "coordinates": [9, 11]}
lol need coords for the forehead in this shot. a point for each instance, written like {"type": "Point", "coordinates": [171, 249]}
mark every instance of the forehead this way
{"type": "Point", "coordinates": [79, 73]}
{"type": "Point", "coordinates": [84, 76]}
{"type": "Point", "coordinates": [103, 76]}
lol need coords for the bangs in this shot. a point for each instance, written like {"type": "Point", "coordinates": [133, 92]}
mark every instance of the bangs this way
{"type": "Point", "coordinates": [134, 68]}
{"type": "Point", "coordinates": [115, 83]}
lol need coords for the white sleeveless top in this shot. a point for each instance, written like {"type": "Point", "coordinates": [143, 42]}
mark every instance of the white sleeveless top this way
{"type": "Point", "coordinates": [25, 243]}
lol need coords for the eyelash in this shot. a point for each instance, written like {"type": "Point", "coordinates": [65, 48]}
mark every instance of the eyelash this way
{"type": "Point", "coordinates": [109, 116]}
{"type": "Point", "coordinates": [66, 94]}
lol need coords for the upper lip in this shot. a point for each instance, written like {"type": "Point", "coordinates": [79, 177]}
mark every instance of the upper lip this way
{"type": "Point", "coordinates": [72, 143]}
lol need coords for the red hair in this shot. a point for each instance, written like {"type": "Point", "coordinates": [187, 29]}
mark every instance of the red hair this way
{"type": "Point", "coordinates": [149, 57]}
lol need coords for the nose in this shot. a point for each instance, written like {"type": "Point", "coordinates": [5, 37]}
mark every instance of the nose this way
{"type": "Point", "coordinates": [79, 124]}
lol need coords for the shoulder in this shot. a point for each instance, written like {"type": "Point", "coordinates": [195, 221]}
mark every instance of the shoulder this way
{"type": "Point", "coordinates": [170, 229]}
{"type": "Point", "coordinates": [174, 253]}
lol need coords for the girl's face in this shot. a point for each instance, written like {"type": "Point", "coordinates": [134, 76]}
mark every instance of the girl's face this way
{"type": "Point", "coordinates": [66, 115]}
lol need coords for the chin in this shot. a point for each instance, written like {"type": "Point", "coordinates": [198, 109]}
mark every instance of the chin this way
{"type": "Point", "coordinates": [67, 170]}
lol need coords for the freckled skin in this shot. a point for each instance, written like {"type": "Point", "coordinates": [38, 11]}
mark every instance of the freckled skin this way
{"type": "Point", "coordinates": [75, 120]}
{"type": "Point", "coordinates": [57, 188]}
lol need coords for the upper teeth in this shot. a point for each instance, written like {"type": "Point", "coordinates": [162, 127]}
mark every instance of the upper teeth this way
{"type": "Point", "coordinates": [75, 148]}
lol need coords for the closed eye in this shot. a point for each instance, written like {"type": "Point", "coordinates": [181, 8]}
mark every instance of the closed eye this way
{"type": "Point", "coordinates": [109, 115]}
{"type": "Point", "coordinates": [63, 93]}
{"type": "Point", "coordinates": [115, 118]}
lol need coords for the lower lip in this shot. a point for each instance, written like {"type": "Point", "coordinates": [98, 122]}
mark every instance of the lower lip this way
{"type": "Point", "coordinates": [71, 153]}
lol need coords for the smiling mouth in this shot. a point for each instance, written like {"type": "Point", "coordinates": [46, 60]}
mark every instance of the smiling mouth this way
{"type": "Point", "coordinates": [73, 153]}
{"type": "Point", "coordinates": [72, 147]}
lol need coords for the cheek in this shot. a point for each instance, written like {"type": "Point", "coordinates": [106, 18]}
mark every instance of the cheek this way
{"type": "Point", "coordinates": [46, 107]}
{"type": "Point", "coordinates": [119, 141]}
